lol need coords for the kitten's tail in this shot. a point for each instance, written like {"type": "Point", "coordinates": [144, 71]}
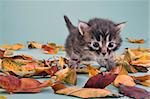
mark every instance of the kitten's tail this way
{"type": "Point", "coordinates": [68, 23]}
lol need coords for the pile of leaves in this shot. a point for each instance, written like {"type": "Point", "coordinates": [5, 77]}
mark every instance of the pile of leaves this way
{"type": "Point", "coordinates": [15, 69]}
{"type": "Point", "coordinates": [135, 60]}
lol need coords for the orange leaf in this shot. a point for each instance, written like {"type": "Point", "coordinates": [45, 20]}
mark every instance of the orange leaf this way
{"type": "Point", "coordinates": [125, 80]}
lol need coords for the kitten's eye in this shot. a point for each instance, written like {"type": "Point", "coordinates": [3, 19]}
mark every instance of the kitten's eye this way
{"type": "Point", "coordinates": [96, 44]}
{"type": "Point", "coordinates": [110, 44]}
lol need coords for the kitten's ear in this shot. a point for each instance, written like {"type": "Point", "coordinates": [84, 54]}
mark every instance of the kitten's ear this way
{"type": "Point", "coordinates": [82, 26]}
{"type": "Point", "coordinates": [120, 26]}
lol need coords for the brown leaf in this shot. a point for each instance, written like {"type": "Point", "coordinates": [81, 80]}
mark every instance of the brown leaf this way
{"type": "Point", "coordinates": [71, 78]}
{"type": "Point", "coordinates": [140, 68]}
{"type": "Point", "coordinates": [67, 75]}
{"type": "Point", "coordinates": [124, 79]}
{"type": "Point", "coordinates": [129, 68]}
{"type": "Point", "coordinates": [86, 92]}
{"type": "Point", "coordinates": [58, 86]}
{"type": "Point", "coordinates": [134, 92]}
{"type": "Point", "coordinates": [100, 80]}
{"type": "Point", "coordinates": [143, 80]}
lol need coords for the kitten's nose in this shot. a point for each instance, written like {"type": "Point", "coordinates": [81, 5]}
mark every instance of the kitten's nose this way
{"type": "Point", "coordinates": [104, 54]}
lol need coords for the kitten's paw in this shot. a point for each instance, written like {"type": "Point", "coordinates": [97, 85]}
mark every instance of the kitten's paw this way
{"type": "Point", "coordinates": [110, 65]}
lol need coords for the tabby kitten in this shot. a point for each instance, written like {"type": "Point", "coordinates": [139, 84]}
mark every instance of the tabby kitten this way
{"type": "Point", "coordinates": [96, 40]}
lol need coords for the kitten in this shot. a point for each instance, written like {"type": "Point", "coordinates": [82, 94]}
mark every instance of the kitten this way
{"type": "Point", "coordinates": [95, 40]}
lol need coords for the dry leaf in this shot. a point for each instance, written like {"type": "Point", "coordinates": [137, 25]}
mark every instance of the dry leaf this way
{"type": "Point", "coordinates": [124, 79]}
{"type": "Point", "coordinates": [34, 45]}
{"type": "Point", "coordinates": [57, 86]}
{"type": "Point", "coordinates": [134, 92]}
{"type": "Point", "coordinates": [86, 92]}
{"type": "Point", "coordinates": [50, 49]}
{"type": "Point", "coordinates": [61, 62]}
{"type": "Point", "coordinates": [67, 75]}
{"type": "Point", "coordinates": [139, 41]}
{"type": "Point", "coordinates": [92, 71]}
{"type": "Point", "coordinates": [144, 63]}
{"type": "Point", "coordinates": [100, 80]}
{"type": "Point", "coordinates": [143, 80]}
{"type": "Point", "coordinates": [2, 53]}
{"type": "Point", "coordinates": [25, 66]}
{"type": "Point", "coordinates": [3, 97]}
{"type": "Point", "coordinates": [82, 70]}
{"type": "Point", "coordinates": [140, 68]}
{"type": "Point", "coordinates": [12, 84]}
{"type": "Point", "coordinates": [12, 47]}
{"type": "Point", "coordinates": [123, 71]}
{"type": "Point", "coordinates": [71, 78]}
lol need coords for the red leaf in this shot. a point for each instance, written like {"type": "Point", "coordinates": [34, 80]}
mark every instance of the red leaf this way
{"type": "Point", "coordinates": [9, 83]}
{"type": "Point", "coordinates": [2, 53]}
{"type": "Point", "coordinates": [12, 84]}
{"type": "Point", "coordinates": [101, 80]}
{"type": "Point", "coordinates": [134, 92]}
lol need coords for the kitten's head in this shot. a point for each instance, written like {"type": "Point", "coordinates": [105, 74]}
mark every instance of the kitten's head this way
{"type": "Point", "coordinates": [101, 36]}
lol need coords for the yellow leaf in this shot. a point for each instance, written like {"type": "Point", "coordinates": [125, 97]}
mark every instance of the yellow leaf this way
{"type": "Point", "coordinates": [3, 97]}
{"type": "Point", "coordinates": [92, 71]}
{"type": "Point", "coordinates": [61, 62]}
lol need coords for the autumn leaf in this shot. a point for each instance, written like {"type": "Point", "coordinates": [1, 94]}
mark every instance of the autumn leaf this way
{"type": "Point", "coordinates": [50, 49]}
{"type": "Point", "coordinates": [71, 78]}
{"type": "Point", "coordinates": [12, 84]}
{"type": "Point", "coordinates": [144, 63]}
{"type": "Point", "coordinates": [61, 62]}
{"type": "Point", "coordinates": [34, 45]}
{"type": "Point", "coordinates": [134, 92]}
{"type": "Point", "coordinates": [12, 47]}
{"type": "Point", "coordinates": [140, 68]}
{"type": "Point", "coordinates": [129, 68]}
{"type": "Point", "coordinates": [143, 80]}
{"type": "Point", "coordinates": [3, 97]}
{"type": "Point", "coordinates": [82, 92]}
{"type": "Point", "coordinates": [124, 79]}
{"type": "Point", "coordinates": [82, 70]}
{"type": "Point", "coordinates": [100, 80]}
{"type": "Point", "coordinates": [123, 71]}
{"type": "Point", "coordinates": [58, 86]}
{"type": "Point", "coordinates": [2, 53]}
{"type": "Point", "coordinates": [67, 75]}
{"type": "Point", "coordinates": [92, 71]}
{"type": "Point", "coordinates": [139, 41]}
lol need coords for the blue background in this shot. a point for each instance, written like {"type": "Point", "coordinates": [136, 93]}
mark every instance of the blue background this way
{"type": "Point", "coordinates": [42, 20]}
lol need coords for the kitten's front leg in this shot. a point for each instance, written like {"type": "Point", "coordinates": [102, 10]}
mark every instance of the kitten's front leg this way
{"type": "Point", "coordinates": [108, 62]}
{"type": "Point", "coordinates": [111, 62]}
{"type": "Point", "coordinates": [74, 61]}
